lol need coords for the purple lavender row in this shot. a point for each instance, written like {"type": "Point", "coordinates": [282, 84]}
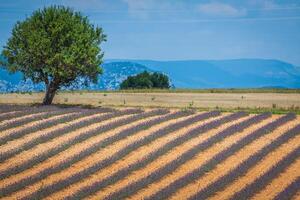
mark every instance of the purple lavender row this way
{"type": "Point", "coordinates": [27, 120]}
{"type": "Point", "coordinates": [260, 183]}
{"type": "Point", "coordinates": [117, 156]}
{"type": "Point", "coordinates": [51, 135]}
{"type": "Point", "coordinates": [41, 157]}
{"type": "Point", "coordinates": [11, 108]}
{"type": "Point", "coordinates": [79, 114]}
{"type": "Point", "coordinates": [170, 167]}
{"type": "Point", "coordinates": [68, 162]}
{"type": "Point", "coordinates": [242, 169]}
{"type": "Point", "coordinates": [28, 111]}
{"type": "Point", "coordinates": [290, 191]}
{"type": "Point", "coordinates": [199, 172]}
{"type": "Point", "coordinates": [86, 191]}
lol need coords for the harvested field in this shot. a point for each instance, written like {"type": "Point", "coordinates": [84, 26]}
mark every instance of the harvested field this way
{"type": "Point", "coordinates": [227, 101]}
{"type": "Point", "coordinates": [75, 153]}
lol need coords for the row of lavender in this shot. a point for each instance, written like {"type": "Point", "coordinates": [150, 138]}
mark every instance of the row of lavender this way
{"type": "Point", "coordinates": [136, 114]}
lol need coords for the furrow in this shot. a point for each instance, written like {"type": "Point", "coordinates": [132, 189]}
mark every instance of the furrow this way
{"type": "Point", "coordinates": [33, 120]}
{"type": "Point", "coordinates": [31, 136]}
{"type": "Point", "coordinates": [290, 191]}
{"type": "Point", "coordinates": [199, 156]}
{"type": "Point", "coordinates": [133, 157]}
{"type": "Point", "coordinates": [42, 152]}
{"type": "Point", "coordinates": [237, 165]}
{"type": "Point", "coordinates": [280, 183]}
{"type": "Point", "coordinates": [7, 113]}
{"type": "Point", "coordinates": [218, 158]}
{"type": "Point", "coordinates": [10, 129]}
{"type": "Point", "coordinates": [135, 186]}
{"type": "Point", "coordinates": [251, 189]}
{"type": "Point", "coordinates": [10, 108]}
{"type": "Point", "coordinates": [106, 162]}
{"type": "Point", "coordinates": [155, 159]}
{"type": "Point", "coordinates": [28, 112]}
{"type": "Point", "coordinates": [91, 148]}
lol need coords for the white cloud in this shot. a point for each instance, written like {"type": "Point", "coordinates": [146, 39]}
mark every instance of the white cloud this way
{"type": "Point", "coordinates": [220, 9]}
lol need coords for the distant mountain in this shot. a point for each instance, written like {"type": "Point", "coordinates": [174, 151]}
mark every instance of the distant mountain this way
{"type": "Point", "coordinates": [113, 74]}
{"type": "Point", "coordinates": [240, 73]}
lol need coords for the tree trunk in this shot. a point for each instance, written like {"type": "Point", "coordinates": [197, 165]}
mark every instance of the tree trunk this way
{"type": "Point", "coordinates": [50, 93]}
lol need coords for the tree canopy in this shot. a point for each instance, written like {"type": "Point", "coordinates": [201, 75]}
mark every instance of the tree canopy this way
{"type": "Point", "coordinates": [146, 80]}
{"type": "Point", "coordinates": [55, 45]}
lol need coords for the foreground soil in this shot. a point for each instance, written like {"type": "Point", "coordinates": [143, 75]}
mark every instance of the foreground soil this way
{"type": "Point", "coordinates": [103, 153]}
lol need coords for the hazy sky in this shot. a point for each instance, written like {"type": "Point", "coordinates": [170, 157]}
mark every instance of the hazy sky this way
{"type": "Point", "coordinates": [182, 29]}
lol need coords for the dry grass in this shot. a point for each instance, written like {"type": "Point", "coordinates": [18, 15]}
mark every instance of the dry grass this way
{"type": "Point", "coordinates": [176, 100]}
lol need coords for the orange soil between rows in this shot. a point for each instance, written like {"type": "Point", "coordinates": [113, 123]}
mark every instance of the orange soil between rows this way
{"type": "Point", "coordinates": [30, 124]}
{"type": "Point", "coordinates": [161, 161]}
{"type": "Point", "coordinates": [8, 113]}
{"type": "Point", "coordinates": [7, 121]}
{"type": "Point", "coordinates": [198, 160]}
{"type": "Point", "coordinates": [236, 159]}
{"type": "Point", "coordinates": [44, 147]}
{"type": "Point", "coordinates": [132, 157]}
{"type": "Point", "coordinates": [102, 154]}
{"type": "Point", "coordinates": [27, 138]}
{"type": "Point", "coordinates": [62, 155]}
{"type": "Point", "coordinates": [281, 182]}
{"type": "Point", "coordinates": [251, 175]}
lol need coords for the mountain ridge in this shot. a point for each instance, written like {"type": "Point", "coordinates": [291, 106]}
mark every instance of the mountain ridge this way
{"type": "Point", "coordinates": [231, 73]}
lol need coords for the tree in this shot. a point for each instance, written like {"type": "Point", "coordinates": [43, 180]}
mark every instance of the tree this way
{"type": "Point", "coordinates": [146, 80]}
{"type": "Point", "coordinates": [55, 45]}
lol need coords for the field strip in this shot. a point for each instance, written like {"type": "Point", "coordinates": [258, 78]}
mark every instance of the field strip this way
{"type": "Point", "coordinates": [297, 196]}
{"type": "Point", "coordinates": [15, 127]}
{"type": "Point", "coordinates": [26, 113]}
{"type": "Point", "coordinates": [233, 167]}
{"type": "Point", "coordinates": [4, 123]}
{"type": "Point", "coordinates": [32, 141]}
{"type": "Point", "coordinates": [153, 160]}
{"type": "Point", "coordinates": [11, 108]}
{"type": "Point", "coordinates": [64, 183]}
{"type": "Point", "coordinates": [3, 114]}
{"type": "Point", "coordinates": [58, 144]}
{"type": "Point", "coordinates": [135, 186]}
{"type": "Point", "coordinates": [261, 182]}
{"type": "Point", "coordinates": [64, 163]}
{"type": "Point", "coordinates": [281, 182]}
{"type": "Point", "coordinates": [29, 120]}
{"type": "Point", "coordinates": [214, 159]}
{"type": "Point", "coordinates": [31, 136]}
{"type": "Point", "coordinates": [18, 139]}
{"type": "Point", "coordinates": [133, 157]}
{"type": "Point", "coordinates": [290, 192]}
{"type": "Point", "coordinates": [162, 175]}
{"type": "Point", "coordinates": [121, 134]}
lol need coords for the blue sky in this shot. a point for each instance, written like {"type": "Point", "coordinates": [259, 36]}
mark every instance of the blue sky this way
{"type": "Point", "coordinates": [182, 29]}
